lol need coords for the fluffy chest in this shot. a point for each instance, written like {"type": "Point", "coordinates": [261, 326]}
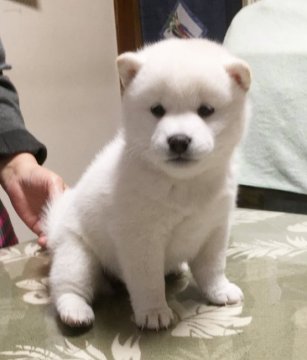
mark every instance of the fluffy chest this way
{"type": "Point", "coordinates": [207, 208]}
{"type": "Point", "coordinates": [193, 231]}
{"type": "Point", "coordinates": [177, 215]}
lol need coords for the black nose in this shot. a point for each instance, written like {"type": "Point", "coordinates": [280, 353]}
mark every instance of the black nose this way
{"type": "Point", "coordinates": [179, 143]}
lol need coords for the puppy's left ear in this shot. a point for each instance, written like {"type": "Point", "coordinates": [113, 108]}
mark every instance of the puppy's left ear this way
{"type": "Point", "coordinates": [240, 72]}
{"type": "Point", "coordinates": [128, 65]}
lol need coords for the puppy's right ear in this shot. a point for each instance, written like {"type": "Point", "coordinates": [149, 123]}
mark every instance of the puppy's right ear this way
{"type": "Point", "coordinates": [128, 65]}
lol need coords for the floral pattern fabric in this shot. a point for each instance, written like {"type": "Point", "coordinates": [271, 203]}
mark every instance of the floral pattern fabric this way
{"type": "Point", "coordinates": [267, 258]}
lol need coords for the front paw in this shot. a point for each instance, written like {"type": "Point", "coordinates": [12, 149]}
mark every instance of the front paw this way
{"type": "Point", "coordinates": [224, 293]}
{"type": "Point", "coordinates": [154, 319]}
{"type": "Point", "coordinates": [74, 311]}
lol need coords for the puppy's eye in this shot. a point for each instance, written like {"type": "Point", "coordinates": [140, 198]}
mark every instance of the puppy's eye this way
{"type": "Point", "coordinates": [205, 110]}
{"type": "Point", "coordinates": [158, 111]}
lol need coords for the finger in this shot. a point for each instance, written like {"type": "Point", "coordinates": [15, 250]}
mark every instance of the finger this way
{"type": "Point", "coordinates": [42, 241]}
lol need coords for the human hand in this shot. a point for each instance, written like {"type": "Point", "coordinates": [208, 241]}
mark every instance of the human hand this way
{"type": "Point", "coordinates": [29, 186]}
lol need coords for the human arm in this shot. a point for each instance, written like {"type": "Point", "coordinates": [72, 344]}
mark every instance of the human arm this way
{"type": "Point", "coordinates": [14, 137]}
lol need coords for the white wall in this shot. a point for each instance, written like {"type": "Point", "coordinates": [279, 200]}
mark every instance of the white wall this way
{"type": "Point", "coordinates": [63, 55]}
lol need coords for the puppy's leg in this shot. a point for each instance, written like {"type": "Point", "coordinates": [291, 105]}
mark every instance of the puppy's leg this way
{"type": "Point", "coordinates": [142, 264]}
{"type": "Point", "coordinates": [73, 275]}
{"type": "Point", "coordinates": [208, 269]}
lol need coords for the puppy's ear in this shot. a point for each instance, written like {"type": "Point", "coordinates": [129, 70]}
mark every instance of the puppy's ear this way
{"type": "Point", "coordinates": [240, 72]}
{"type": "Point", "coordinates": [128, 65]}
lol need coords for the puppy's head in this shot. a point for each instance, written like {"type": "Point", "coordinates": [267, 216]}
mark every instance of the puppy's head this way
{"type": "Point", "coordinates": [184, 104]}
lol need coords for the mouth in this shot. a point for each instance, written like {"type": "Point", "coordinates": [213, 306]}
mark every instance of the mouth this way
{"type": "Point", "coordinates": [181, 161]}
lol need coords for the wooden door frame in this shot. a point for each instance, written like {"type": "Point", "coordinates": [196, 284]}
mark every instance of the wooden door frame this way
{"type": "Point", "coordinates": [128, 25]}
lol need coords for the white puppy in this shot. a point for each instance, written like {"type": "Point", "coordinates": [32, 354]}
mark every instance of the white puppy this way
{"type": "Point", "coordinates": [162, 192]}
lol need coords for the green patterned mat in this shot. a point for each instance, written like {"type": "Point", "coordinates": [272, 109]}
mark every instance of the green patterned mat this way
{"type": "Point", "coordinates": [267, 258]}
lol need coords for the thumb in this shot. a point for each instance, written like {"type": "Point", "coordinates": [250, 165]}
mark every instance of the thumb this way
{"type": "Point", "coordinates": [56, 187]}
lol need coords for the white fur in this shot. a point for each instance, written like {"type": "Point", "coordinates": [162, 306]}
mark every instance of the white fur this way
{"type": "Point", "coordinates": [138, 215]}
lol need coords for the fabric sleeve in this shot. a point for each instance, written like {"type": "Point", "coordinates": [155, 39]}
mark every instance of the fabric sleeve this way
{"type": "Point", "coordinates": [14, 137]}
